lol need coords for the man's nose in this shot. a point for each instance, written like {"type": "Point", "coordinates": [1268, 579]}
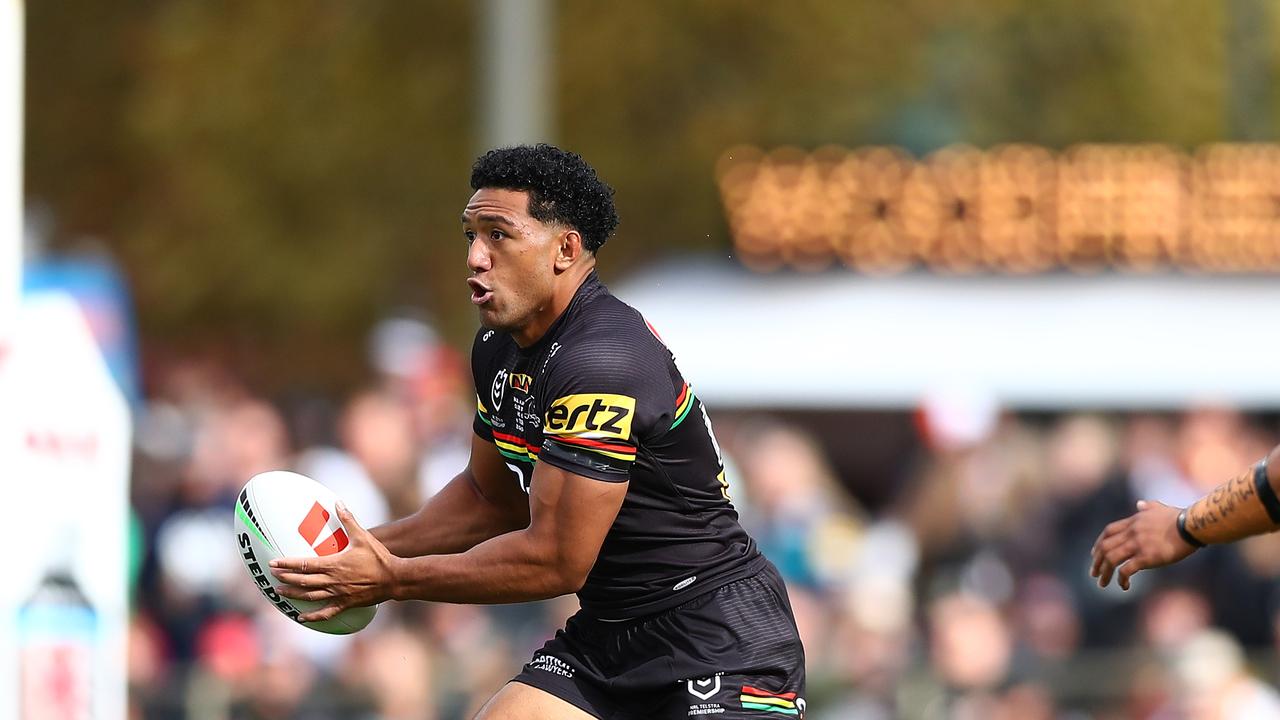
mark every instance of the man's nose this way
{"type": "Point", "coordinates": [478, 259]}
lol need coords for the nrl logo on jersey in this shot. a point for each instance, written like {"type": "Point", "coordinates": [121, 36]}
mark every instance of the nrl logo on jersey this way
{"type": "Point", "coordinates": [704, 688]}
{"type": "Point", "coordinates": [497, 389]}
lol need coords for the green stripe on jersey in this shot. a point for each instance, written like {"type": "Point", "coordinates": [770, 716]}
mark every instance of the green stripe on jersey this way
{"type": "Point", "coordinates": [769, 708]}
{"type": "Point", "coordinates": [516, 456]}
{"type": "Point", "coordinates": [687, 407]}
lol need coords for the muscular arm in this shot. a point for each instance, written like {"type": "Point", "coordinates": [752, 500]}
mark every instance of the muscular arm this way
{"type": "Point", "coordinates": [570, 515]}
{"type": "Point", "coordinates": [1233, 510]}
{"type": "Point", "coordinates": [1150, 538]}
{"type": "Point", "coordinates": [481, 502]}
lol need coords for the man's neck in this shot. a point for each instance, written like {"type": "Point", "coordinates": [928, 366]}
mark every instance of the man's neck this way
{"type": "Point", "coordinates": [549, 313]}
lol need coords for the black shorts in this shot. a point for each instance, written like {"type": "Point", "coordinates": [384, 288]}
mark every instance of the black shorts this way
{"type": "Point", "coordinates": [731, 653]}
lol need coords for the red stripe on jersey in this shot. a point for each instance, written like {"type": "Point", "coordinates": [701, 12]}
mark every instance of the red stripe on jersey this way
{"type": "Point", "coordinates": [763, 693]}
{"type": "Point", "coordinates": [684, 391]}
{"type": "Point", "coordinates": [585, 442]}
{"type": "Point", "coordinates": [513, 439]}
{"type": "Point", "coordinates": [653, 330]}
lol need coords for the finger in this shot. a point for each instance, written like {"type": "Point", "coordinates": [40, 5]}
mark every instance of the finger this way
{"type": "Point", "coordinates": [348, 520]}
{"type": "Point", "coordinates": [1103, 547]}
{"type": "Point", "coordinates": [1107, 547]}
{"type": "Point", "coordinates": [1143, 505]}
{"type": "Point", "coordinates": [1112, 533]}
{"type": "Point", "coordinates": [1114, 559]}
{"type": "Point", "coordinates": [1104, 573]}
{"type": "Point", "coordinates": [1096, 558]}
{"type": "Point", "coordinates": [307, 565]}
{"type": "Point", "coordinates": [1121, 552]}
{"type": "Point", "coordinates": [1095, 567]}
{"type": "Point", "coordinates": [324, 613]}
{"type": "Point", "coordinates": [1128, 570]}
{"type": "Point", "coordinates": [1117, 527]}
{"type": "Point", "coordinates": [296, 564]}
{"type": "Point", "coordinates": [294, 592]}
{"type": "Point", "coordinates": [302, 580]}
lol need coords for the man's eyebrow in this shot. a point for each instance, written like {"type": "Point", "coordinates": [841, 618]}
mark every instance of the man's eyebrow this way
{"type": "Point", "coordinates": [489, 217]}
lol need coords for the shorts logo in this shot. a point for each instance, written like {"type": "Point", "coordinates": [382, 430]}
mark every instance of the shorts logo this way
{"type": "Point", "coordinates": [704, 688]}
{"type": "Point", "coordinates": [592, 415]}
{"type": "Point", "coordinates": [498, 387]}
{"type": "Point", "coordinates": [552, 664]}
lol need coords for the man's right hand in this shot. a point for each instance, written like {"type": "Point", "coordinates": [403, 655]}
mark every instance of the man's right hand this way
{"type": "Point", "coordinates": [1147, 539]}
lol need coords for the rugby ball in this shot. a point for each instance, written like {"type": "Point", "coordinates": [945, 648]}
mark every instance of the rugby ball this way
{"type": "Point", "coordinates": [284, 514]}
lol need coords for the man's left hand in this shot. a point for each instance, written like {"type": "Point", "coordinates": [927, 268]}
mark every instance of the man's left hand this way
{"type": "Point", "coordinates": [1147, 539]}
{"type": "Point", "coordinates": [360, 575]}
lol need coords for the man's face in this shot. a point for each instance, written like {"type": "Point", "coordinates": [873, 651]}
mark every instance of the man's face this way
{"type": "Point", "coordinates": [511, 256]}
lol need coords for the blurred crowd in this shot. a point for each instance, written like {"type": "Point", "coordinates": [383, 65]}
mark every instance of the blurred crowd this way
{"type": "Point", "coordinates": [966, 595]}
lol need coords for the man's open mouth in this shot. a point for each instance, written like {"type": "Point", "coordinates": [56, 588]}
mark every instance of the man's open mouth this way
{"type": "Point", "coordinates": [480, 293]}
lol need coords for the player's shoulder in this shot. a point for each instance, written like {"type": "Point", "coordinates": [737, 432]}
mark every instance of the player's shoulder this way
{"type": "Point", "coordinates": [612, 333]}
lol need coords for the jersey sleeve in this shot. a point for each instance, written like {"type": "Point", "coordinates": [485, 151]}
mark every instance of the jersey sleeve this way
{"type": "Point", "coordinates": [481, 353]}
{"type": "Point", "coordinates": [603, 401]}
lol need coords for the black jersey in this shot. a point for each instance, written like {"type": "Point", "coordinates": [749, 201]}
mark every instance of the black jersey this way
{"type": "Point", "coordinates": [599, 395]}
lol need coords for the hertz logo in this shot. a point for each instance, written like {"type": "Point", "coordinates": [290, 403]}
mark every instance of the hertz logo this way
{"type": "Point", "coordinates": [593, 415]}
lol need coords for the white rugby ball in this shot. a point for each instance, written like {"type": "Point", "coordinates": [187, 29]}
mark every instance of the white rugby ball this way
{"type": "Point", "coordinates": [284, 514]}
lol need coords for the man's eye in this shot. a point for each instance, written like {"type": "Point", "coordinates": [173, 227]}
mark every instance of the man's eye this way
{"type": "Point", "coordinates": [471, 236]}
{"type": "Point", "coordinates": [496, 235]}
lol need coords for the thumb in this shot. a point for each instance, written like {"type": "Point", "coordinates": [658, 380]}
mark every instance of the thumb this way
{"type": "Point", "coordinates": [1143, 504]}
{"type": "Point", "coordinates": [348, 520]}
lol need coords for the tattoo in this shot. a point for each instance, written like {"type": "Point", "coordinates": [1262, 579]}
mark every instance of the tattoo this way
{"type": "Point", "coordinates": [1221, 503]}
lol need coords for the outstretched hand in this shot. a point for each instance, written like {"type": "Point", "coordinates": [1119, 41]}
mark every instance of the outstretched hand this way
{"type": "Point", "coordinates": [359, 575]}
{"type": "Point", "coordinates": [1147, 539]}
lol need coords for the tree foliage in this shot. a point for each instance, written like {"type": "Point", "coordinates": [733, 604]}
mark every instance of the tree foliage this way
{"type": "Point", "coordinates": [273, 176]}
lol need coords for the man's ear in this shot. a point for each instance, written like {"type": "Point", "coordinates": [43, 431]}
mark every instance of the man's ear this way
{"type": "Point", "coordinates": [570, 250]}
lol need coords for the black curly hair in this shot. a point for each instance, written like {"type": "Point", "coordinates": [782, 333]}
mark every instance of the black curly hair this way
{"type": "Point", "coordinates": [562, 188]}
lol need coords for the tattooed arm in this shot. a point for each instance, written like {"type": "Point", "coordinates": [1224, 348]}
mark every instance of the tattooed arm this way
{"type": "Point", "coordinates": [1150, 538]}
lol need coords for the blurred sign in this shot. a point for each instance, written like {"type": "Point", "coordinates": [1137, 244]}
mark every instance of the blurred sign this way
{"type": "Point", "coordinates": [11, 56]}
{"type": "Point", "coordinates": [103, 296]}
{"type": "Point", "coordinates": [1013, 209]}
{"type": "Point", "coordinates": [834, 340]}
{"type": "Point", "coordinates": [64, 464]}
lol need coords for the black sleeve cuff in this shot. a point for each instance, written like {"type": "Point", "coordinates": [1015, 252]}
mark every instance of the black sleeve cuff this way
{"type": "Point", "coordinates": [582, 462]}
{"type": "Point", "coordinates": [1266, 493]}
